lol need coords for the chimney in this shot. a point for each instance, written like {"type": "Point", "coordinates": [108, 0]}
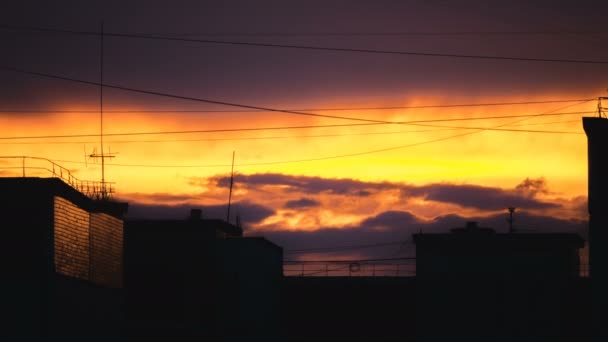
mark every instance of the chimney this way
{"type": "Point", "coordinates": [196, 214]}
{"type": "Point", "coordinates": [596, 129]}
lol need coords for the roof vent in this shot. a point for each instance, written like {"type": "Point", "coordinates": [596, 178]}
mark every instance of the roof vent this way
{"type": "Point", "coordinates": [196, 214]}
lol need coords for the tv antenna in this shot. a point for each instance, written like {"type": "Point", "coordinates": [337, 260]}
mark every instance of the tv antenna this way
{"type": "Point", "coordinates": [601, 111]}
{"type": "Point", "coordinates": [103, 189]}
{"type": "Point", "coordinates": [510, 219]}
{"type": "Point", "coordinates": [230, 193]}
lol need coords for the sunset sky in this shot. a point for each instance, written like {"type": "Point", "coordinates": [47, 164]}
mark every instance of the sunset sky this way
{"type": "Point", "coordinates": [324, 186]}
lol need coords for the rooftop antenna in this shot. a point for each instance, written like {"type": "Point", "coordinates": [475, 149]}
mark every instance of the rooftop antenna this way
{"type": "Point", "coordinates": [510, 219]}
{"type": "Point", "coordinates": [230, 193]}
{"type": "Point", "coordinates": [102, 155]}
{"type": "Point", "coordinates": [238, 220]}
{"type": "Point", "coordinates": [600, 108]}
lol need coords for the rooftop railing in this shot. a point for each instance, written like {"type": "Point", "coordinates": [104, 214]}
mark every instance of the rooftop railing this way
{"type": "Point", "coordinates": [93, 189]}
{"type": "Point", "coordinates": [405, 267]}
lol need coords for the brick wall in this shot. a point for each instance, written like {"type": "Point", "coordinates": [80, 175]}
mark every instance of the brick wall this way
{"type": "Point", "coordinates": [87, 246]}
{"type": "Point", "coordinates": [71, 245]}
{"type": "Point", "coordinates": [106, 249]}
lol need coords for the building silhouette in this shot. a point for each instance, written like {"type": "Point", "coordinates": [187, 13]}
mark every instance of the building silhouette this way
{"type": "Point", "coordinates": [478, 285]}
{"type": "Point", "coordinates": [61, 260]}
{"type": "Point", "coordinates": [596, 129]}
{"type": "Point", "coordinates": [200, 279]}
{"type": "Point", "coordinates": [73, 270]}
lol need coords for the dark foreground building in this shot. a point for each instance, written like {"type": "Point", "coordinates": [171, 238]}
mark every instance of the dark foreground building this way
{"type": "Point", "coordinates": [198, 279]}
{"type": "Point", "coordinates": [478, 285]}
{"type": "Point", "coordinates": [60, 263]}
{"type": "Point", "coordinates": [597, 147]}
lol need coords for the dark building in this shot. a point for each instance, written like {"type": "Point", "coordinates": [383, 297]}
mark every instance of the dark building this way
{"type": "Point", "coordinates": [198, 278]}
{"type": "Point", "coordinates": [597, 147]}
{"type": "Point", "coordinates": [476, 284]}
{"type": "Point", "coordinates": [61, 260]}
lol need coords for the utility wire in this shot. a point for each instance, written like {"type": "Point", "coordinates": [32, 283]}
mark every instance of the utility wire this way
{"type": "Point", "coordinates": [478, 130]}
{"type": "Point", "coordinates": [188, 98]}
{"type": "Point", "coordinates": [413, 123]}
{"type": "Point", "coordinates": [230, 139]}
{"type": "Point", "coordinates": [300, 109]}
{"type": "Point", "coordinates": [339, 248]}
{"type": "Point", "coordinates": [46, 75]}
{"type": "Point", "coordinates": [374, 34]}
{"type": "Point", "coordinates": [51, 142]}
{"type": "Point", "coordinates": [304, 47]}
{"type": "Point", "coordinates": [348, 260]}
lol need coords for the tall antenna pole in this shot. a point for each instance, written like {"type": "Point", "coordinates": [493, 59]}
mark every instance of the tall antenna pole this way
{"type": "Point", "coordinates": [103, 191]}
{"type": "Point", "coordinates": [230, 193]}
{"type": "Point", "coordinates": [510, 219]}
{"type": "Point", "coordinates": [600, 109]}
{"type": "Point", "coordinates": [103, 166]}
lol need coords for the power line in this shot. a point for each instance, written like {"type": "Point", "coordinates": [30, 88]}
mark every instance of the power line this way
{"type": "Point", "coordinates": [375, 34]}
{"type": "Point", "coordinates": [269, 137]}
{"type": "Point", "coordinates": [231, 139]}
{"type": "Point", "coordinates": [52, 76]}
{"type": "Point", "coordinates": [339, 248]}
{"type": "Point", "coordinates": [501, 129]}
{"type": "Point", "coordinates": [345, 155]}
{"type": "Point", "coordinates": [204, 100]}
{"type": "Point", "coordinates": [300, 109]}
{"type": "Point", "coordinates": [305, 47]}
{"type": "Point", "coordinates": [413, 123]}
{"type": "Point", "coordinates": [276, 137]}
{"type": "Point", "coordinates": [478, 129]}
{"type": "Point", "coordinates": [348, 260]}
{"type": "Point", "coordinates": [174, 96]}
{"type": "Point", "coordinates": [356, 154]}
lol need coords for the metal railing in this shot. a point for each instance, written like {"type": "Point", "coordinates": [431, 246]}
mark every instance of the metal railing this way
{"type": "Point", "coordinates": [348, 268]}
{"type": "Point", "coordinates": [92, 189]}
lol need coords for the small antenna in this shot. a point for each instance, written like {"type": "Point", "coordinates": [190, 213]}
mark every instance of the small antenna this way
{"type": "Point", "coordinates": [510, 219]}
{"type": "Point", "coordinates": [238, 220]}
{"type": "Point", "coordinates": [85, 156]}
{"type": "Point", "coordinates": [600, 108]}
{"type": "Point", "coordinates": [230, 193]}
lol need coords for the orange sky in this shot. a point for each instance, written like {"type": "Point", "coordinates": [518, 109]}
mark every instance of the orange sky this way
{"type": "Point", "coordinates": [488, 158]}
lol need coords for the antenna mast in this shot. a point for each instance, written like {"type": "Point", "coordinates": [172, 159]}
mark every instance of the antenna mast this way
{"type": "Point", "coordinates": [600, 108]}
{"type": "Point", "coordinates": [230, 193]}
{"type": "Point", "coordinates": [510, 219]}
{"type": "Point", "coordinates": [102, 155]}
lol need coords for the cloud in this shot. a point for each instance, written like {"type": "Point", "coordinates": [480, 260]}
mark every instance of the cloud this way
{"type": "Point", "coordinates": [391, 220]}
{"type": "Point", "coordinates": [476, 196]}
{"type": "Point", "coordinates": [159, 197]}
{"type": "Point", "coordinates": [305, 184]}
{"type": "Point", "coordinates": [532, 187]}
{"type": "Point", "coordinates": [249, 213]}
{"type": "Point", "coordinates": [395, 237]}
{"type": "Point", "coordinates": [524, 195]}
{"type": "Point", "coordinates": [302, 203]}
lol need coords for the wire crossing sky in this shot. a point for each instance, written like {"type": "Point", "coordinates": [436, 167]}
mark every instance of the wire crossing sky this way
{"type": "Point", "coordinates": [351, 125]}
